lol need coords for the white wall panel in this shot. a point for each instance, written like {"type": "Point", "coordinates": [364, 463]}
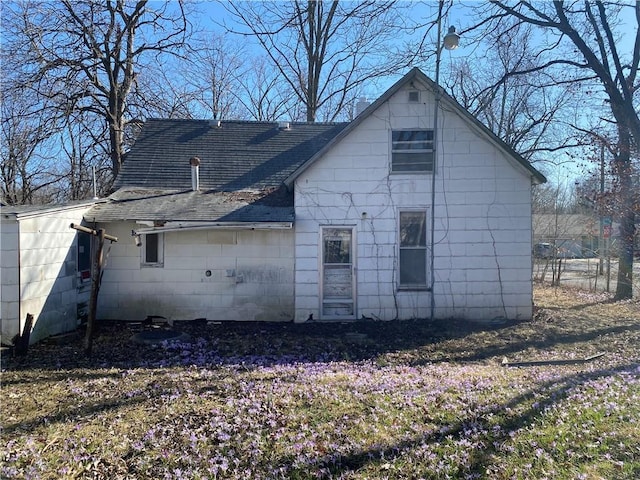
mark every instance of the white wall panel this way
{"type": "Point", "coordinates": [483, 219]}
{"type": "Point", "coordinates": [213, 274]}
{"type": "Point", "coordinates": [46, 283]}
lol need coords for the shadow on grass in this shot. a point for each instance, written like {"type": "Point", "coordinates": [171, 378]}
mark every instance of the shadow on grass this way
{"type": "Point", "coordinates": [516, 345]}
{"type": "Point", "coordinates": [83, 409]}
{"type": "Point", "coordinates": [60, 376]}
{"type": "Point", "coordinates": [267, 344]}
{"type": "Point", "coordinates": [280, 344]}
{"type": "Point", "coordinates": [556, 390]}
{"type": "Point", "coordinates": [229, 342]}
{"type": "Point", "coordinates": [75, 413]}
{"type": "Point", "coordinates": [583, 306]}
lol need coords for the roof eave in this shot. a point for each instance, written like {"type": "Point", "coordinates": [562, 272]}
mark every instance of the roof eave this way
{"type": "Point", "coordinates": [353, 124]}
{"type": "Point", "coordinates": [189, 226]}
{"type": "Point", "coordinates": [415, 73]}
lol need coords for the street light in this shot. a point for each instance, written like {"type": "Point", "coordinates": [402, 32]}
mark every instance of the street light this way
{"type": "Point", "coordinates": [450, 42]}
{"type": "Point", "coordinates": [451, 39]}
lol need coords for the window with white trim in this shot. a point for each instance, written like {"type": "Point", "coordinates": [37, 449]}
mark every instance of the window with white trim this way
{"type": "Point", "coordinates": [153, 249]}
{"type": "Point", "coordinates": [413, 249]}
{"type": "Point", "coordinates": [412, 151]}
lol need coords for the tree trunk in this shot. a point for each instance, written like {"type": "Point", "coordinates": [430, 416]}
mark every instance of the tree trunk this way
{"type": "Point", "coordinates": [624, 288]}
{"type": "Point", "coordinates": [116, 143]}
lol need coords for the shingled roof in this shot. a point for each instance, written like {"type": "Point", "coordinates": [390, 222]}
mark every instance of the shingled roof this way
{"type": "Point", "coordinates": [242, 170]}
{"type": "Point", "coordinates": [237, 155]}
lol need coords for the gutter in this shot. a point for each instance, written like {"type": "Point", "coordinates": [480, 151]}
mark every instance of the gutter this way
{"type": "Point", "coordinates": [218, 226]}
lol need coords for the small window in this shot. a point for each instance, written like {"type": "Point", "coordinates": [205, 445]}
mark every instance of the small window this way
{"type": "Point", "coordinates": [413, 249]}
{"type": "Point", "coordinates": [412, 151]}
{"type": "Point", "coordinates": [414, 96]}
{"type": "Point", "coordinates": [152, 249]}
{"type": "Point", "coordinates": [84, 257]}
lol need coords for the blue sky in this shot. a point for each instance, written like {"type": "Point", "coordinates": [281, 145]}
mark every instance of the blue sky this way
{"type": "Point", "coordinates": [460, 17]}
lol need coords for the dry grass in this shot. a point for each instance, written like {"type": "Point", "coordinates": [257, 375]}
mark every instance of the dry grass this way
{"type": "Point", "coordinates": [363, 400]}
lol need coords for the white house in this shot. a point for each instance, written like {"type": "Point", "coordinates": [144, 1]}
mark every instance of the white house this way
{"type": "Point", "coordinates": [264, 221]}
{"type": "Point", "coordinates": [371, 194]}
{"type": "Point", "coordinates": [386, 217]}
{"type": "Point", "coordinates": [45, 269]}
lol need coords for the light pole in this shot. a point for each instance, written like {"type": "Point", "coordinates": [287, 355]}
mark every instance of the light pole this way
{"type": "Point", "coordinates": [450, 42]}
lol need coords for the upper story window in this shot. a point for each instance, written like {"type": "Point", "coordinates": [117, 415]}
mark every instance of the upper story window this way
{"type": "Point", "coordinates": [412, 151]}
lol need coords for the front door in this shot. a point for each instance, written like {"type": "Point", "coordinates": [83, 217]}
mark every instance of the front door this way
{"type": "Point", "coordinates": [338, 279]}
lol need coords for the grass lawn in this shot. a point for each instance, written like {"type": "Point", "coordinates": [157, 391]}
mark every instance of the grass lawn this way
{"type": "Point", "coordinates": [397, 400]}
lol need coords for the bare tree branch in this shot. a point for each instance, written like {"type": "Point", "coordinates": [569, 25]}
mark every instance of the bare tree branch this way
{"type": "Point", "coordinates": [324, 50]}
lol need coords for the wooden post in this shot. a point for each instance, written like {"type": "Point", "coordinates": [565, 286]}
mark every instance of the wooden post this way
{"type": "Point", "coordinates": [96, 276]}
{"type": "Point", "coordinates": [22, 340]}
{"type": "Point", "coordinates": [95, 288]}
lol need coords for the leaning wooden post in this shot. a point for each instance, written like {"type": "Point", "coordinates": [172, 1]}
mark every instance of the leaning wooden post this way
{"type": "Point", "coordinates": [96, 276]}
{"type": "Point", "coordinates": [95, 288]}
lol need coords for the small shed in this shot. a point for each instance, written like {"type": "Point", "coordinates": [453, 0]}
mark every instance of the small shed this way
{"type": "Point", "coordinates": [46, 269]}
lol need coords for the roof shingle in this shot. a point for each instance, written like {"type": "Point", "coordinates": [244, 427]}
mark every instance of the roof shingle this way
{"type": "Point", "coordinates": [242, 169]}
{"type": "Point", "coordinates": [238, 155]}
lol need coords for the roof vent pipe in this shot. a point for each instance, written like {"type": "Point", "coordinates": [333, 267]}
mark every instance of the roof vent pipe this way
{"type": "Point", "coordinates": [195, 174]}
{"type": "Point", "coordinates": [284, 126]}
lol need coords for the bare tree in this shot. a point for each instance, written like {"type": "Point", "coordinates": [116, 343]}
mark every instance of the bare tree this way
{"type": "Point", "coordinates": [84, 156]}
{"type": "Point", "coordinates": [324, 49]}
{"type": "Point", "coordinates": [24, 173]}
{"type": "Point", "coordinates": [580, 44]}
{"type": "Point", "coordinates": [161, 91]}
{"type": "Point", "coordinates": [520, 110]}
{"type": "Point", "coordinates": [215, 75]}
{"type": "Point", "coordinates": [264, 96]}
{"type": "Point", "coordinates": [87, 55]}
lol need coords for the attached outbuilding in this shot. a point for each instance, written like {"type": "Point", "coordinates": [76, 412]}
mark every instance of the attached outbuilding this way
{"type": "Point", "coordinates": [46, 269]}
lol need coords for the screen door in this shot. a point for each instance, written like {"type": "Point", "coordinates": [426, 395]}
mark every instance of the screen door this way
{"type": "Point", "coordinates": [338, 286]}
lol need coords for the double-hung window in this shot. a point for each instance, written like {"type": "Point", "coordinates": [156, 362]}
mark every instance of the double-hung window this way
{"type": "Point", "coordinates": [413, 249]}
{"type": "Point", "coordinates": [412, 151]}
{"type": "Point", "coordinates": [152, 249]}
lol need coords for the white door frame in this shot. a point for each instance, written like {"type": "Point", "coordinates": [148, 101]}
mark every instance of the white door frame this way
{"type": "Point", "coordinates": [340, 302]}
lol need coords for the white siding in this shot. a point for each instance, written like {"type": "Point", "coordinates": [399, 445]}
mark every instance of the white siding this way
{"type": "Point", "coordinates": [39, 274]}
{"type": "Point", "coordinates": [251, 276]}
{"type": "Point", "coordinates": [482, 221]}
{"type": "Point", "coordinates": [10, 278]}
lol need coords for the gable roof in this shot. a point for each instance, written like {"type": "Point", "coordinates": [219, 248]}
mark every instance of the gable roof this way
{"type": "Point", "coordinates": [237, 155]}
{"type": "Point", "coordinates": [415, 74]}
{"type": "Point", "coordinates": [243, 166]}
{"type": "Point", "coordinates": [257, 158]}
